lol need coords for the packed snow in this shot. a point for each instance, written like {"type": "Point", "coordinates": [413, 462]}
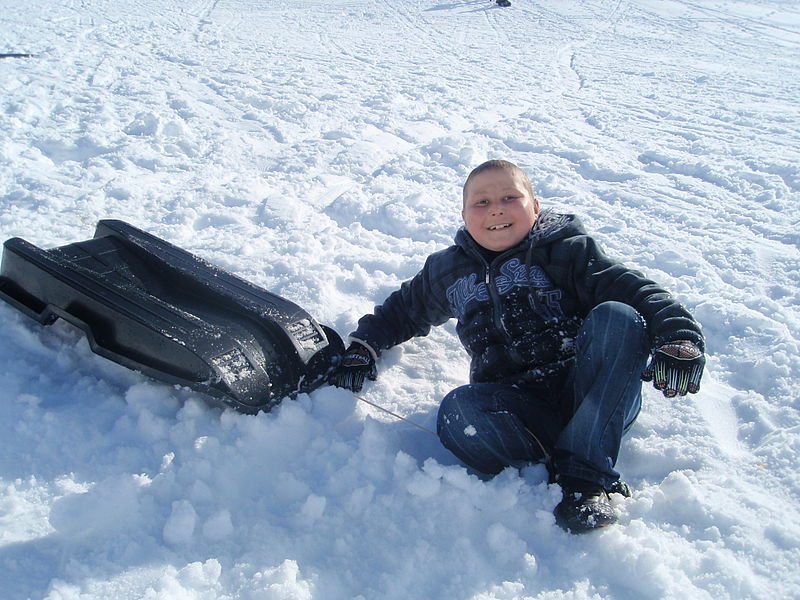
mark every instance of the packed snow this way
{"type": "Point", "coordinates": [317, 149]}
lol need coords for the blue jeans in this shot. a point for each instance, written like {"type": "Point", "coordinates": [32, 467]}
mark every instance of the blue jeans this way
{"type": "Point", "coordinates": [573, 422]}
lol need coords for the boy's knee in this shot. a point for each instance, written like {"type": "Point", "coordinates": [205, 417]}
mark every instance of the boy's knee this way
{"type": "Point", "coordinates": [616, 311]}
{"type": "Point", "coordinates": [618, 325]}
{"type": "Point", "coordinates": [618, 316]}
{"type": "Point", "coordinates": [450, 410]}
{"type": "Point", "coordinates": [460, 411]}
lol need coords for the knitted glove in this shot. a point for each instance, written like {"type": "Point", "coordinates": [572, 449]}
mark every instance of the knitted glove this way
{"type": "Point", "coordinates": [676, 368]}
{"type": "Point", "coordinates": [355, 364]}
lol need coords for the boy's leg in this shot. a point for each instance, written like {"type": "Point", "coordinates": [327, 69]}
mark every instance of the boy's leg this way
{"type": "Point", "coordinates": [611, 351]}
{"type": "Point", "coordinates": [480, 423]}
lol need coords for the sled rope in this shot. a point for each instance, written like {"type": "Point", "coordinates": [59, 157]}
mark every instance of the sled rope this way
{"type": "Point", "coordinates": [395, 415]}
{"type": "Point", "coordinates": [545, 453]}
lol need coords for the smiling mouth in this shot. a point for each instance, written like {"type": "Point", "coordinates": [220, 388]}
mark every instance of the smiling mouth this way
{"type": "Point", "coordinates": [496, 227]}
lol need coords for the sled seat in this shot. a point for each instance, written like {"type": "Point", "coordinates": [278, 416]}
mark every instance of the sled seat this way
{"type": "Point", "coordinates": [153, 307]}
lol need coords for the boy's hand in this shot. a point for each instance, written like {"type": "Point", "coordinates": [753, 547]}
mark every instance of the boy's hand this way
{"type": "Point", "coordinates": [676, 368]}
{"type": "Point", "coordinates": [354, 365]}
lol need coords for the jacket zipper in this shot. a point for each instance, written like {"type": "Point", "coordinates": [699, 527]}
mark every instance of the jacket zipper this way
{"type": "Point", "coordinates": [496, 306]}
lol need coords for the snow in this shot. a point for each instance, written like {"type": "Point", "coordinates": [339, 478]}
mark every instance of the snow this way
{"type": "Point", "coordinates": [317, 149]}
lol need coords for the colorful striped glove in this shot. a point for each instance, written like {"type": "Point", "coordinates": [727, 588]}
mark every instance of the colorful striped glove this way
{"type": "Point", "coordinates": [676, 368]}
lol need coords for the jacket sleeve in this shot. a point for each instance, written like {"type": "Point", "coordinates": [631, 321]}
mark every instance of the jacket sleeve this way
{"type": "Point", "coordinates": [595, 278]}
{"type": "Point", "coordinates": [411, 311]}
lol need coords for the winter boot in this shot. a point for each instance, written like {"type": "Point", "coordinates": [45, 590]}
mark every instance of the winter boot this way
{"type": "Point", "coordinates": [584, 506]}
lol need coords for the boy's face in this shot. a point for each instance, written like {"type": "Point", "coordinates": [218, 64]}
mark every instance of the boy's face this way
{"type": "Point", "coordinates": [498, 209]}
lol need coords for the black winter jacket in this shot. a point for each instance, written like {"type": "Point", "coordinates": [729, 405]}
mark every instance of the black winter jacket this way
{"type": "Point", "coordinates": [518, 315]}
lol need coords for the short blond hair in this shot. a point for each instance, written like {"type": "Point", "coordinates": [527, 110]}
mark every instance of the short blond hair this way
{"type": "Point", "coordinates": [505, 165]}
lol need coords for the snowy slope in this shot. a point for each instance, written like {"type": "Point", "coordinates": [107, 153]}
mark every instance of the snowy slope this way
{"type": "Point", "coordinates": [317, 149]}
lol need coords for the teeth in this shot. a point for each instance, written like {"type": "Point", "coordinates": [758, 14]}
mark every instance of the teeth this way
{"type": "Point", "coordinates": [503, 226]}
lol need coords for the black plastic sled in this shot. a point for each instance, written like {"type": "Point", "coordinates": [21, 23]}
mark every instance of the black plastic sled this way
{"type": "Point", "coordinates": [153, 307]}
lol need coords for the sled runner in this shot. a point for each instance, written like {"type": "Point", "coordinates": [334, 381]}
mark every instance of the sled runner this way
{"type": "Point", "coordinates": [153, 307]}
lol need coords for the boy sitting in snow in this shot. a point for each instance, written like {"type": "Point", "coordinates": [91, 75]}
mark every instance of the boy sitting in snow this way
{"type": "Point", "coordinates": [558, 335]}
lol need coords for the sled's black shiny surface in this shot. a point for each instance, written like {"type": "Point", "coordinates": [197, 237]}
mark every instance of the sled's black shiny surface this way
{"type": "Point", "coordinates": [153, 307]}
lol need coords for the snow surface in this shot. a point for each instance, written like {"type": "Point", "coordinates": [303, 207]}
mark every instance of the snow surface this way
{"type": "Point", "coordinates": [317, 149]}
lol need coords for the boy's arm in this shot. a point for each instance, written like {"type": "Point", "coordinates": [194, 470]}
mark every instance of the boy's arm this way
{"type": "Point", "coordinates": [678, 344]}
{"type": "Point", "coordinates": [408, 312]}
{"type": "Point", "coordinates": [596, 279]}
